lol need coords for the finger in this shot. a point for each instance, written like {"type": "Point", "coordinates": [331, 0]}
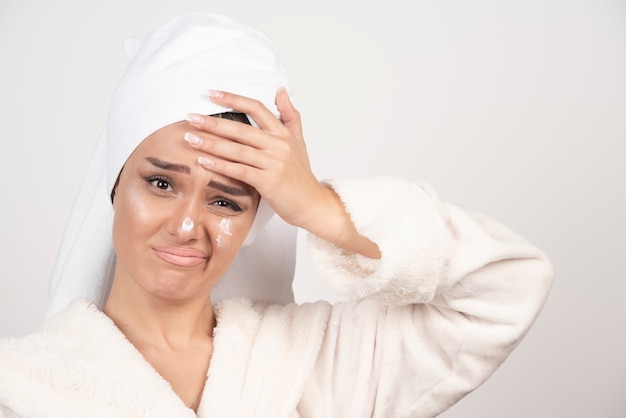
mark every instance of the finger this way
{"type": "Point", "coordinates": [212, 127]}
{"type": "Point", "coordinates": [288, 113]}
{"type": "Point", "coordinates": [261, 115]}
{"type": "Point", "coordinates": [229, 150]}
{"type": "Point", "coordinates": [240, 172]}
{"type": "Point", "coordinates": [196, 135]}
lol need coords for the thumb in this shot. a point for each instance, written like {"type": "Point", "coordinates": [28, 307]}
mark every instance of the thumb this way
{"type": "Point", "coordinates": [288, 113]}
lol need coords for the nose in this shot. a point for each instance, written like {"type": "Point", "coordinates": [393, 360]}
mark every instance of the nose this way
{"type": "Point", "coordinates": [187, 225]}
{"type": "Point", "coordinates": [184, 223]}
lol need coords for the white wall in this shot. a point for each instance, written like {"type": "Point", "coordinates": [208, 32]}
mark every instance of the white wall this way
{"type": "Point", "coordinates": [517, 109]}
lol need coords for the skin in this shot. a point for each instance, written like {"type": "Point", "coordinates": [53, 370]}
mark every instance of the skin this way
{"type": "Point", "coordinates": [206, 170]}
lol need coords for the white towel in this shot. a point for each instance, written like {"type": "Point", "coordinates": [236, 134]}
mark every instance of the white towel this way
{"type": "Point", "coordinates": [169, 74]}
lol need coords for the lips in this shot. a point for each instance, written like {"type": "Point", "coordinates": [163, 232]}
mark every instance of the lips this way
{"type": "Point", "coordinates": [182, 257]}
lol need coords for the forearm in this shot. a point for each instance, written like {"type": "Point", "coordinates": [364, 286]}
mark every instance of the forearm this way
{"type": "Point", "coordinates": [330, 221]}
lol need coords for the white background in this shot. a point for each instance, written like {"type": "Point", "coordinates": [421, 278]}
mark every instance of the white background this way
{"type": "Point", "coordinates": [516, 109]}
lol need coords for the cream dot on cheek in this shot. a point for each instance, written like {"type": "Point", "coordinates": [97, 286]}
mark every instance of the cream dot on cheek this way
{"type": "Point", "coordinates": [225, 228]}
{"type": "Point", "coordinates": [225, 225]}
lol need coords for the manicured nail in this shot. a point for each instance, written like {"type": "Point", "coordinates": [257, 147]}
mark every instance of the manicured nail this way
{"type": "Point", "coordinates": [205, 162]}
{"type": "Point", "coordinates": [193, 139]}
{"type": "Point", "coordinates": [216, 94]}
{"type": "Point", "coordinates": [194, 118]}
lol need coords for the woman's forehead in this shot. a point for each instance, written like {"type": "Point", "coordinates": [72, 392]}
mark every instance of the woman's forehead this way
{"type": "Point", "coordinates": [167, 149]}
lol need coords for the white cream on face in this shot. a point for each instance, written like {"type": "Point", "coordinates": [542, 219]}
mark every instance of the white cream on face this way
{"type": "Point", "coordinates": [187, 225]}
{"type": "Point", "coordinates": [225, 228]}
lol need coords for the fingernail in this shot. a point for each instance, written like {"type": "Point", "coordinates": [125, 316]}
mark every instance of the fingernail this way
{"type": "Point", "coordinates": [205, 162]}
{"type": "Point", "coordinates": [193, 139]}
{"type": "Point", "coordinates": [282, 89]}
{"type": "Point", "coordinates": [216, 94]}
{"type": "Point", "coordinates": [194, 118]}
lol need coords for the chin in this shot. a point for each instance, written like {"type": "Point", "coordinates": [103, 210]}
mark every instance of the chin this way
{"type": "Point", "coordinates": [178, 288]}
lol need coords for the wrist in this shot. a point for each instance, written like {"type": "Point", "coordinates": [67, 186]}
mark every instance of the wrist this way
{"type": "Point", "coordinates": [330, 221]}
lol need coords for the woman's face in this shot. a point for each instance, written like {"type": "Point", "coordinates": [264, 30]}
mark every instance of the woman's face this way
{"type": "Point", "coordinates": [177, 227]}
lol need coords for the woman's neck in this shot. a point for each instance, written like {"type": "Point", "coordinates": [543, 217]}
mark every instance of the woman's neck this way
{"type": "Point", "coordinates": [175, 337]}
{"type": "Point", "coordinates": [148, 320]}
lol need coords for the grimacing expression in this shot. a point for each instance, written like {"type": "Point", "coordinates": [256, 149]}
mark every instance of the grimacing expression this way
{"type": "Point", "coordinates": [177, 227]}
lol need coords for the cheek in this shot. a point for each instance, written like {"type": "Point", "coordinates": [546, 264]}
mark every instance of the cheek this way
{"type": "Point", "coordinates": [133, 217]}
{"type": "Point", "coordinates": [230, 232]}
{"type": "Point", "coordinates": [224, 230]}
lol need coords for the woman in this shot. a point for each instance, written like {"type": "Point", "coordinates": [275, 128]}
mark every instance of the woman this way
{"type": "Point", "coordinates": [440, 295]}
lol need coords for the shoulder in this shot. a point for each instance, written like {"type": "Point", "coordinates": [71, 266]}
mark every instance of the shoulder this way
{"type": "Point", "coordinates": [59, 341]}
{"type": "Point", "coordinates": [80, 364]}
{"type": "Point", "coordinates": [248, 318]}
{"type": "Point", "coordinates": [285, 333]}
{"type": "Point", "coordinates": [32, 367]}
{"type": "Point", "coordinates": [56, 333]}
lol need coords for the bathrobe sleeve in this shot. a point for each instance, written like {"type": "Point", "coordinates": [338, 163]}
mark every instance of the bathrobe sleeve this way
{"type": "Point", "coordinates": [452, 295]}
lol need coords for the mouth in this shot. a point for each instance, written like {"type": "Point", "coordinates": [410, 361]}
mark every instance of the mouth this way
{"type": "Point", "coordinates": [182, 257]}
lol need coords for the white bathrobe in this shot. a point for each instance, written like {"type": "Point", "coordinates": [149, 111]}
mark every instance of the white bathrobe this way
{"type": "Point", "coordinates": [451, 297]}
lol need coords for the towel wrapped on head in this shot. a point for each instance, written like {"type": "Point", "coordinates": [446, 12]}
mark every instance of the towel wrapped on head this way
{"type": "Point", "coordinates": [169, 74]}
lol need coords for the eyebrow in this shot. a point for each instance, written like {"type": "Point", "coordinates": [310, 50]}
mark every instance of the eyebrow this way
{"type": "Point", "coordinates": [232, 190]}
{"type": "Point", "coordinates": [180, 168]}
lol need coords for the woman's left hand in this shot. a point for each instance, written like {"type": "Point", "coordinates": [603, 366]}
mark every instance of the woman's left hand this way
{"type": "Point", "coordinates": [274, 160]}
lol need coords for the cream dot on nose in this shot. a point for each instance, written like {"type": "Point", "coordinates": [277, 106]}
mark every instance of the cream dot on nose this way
{"type": "Point", "coordinates": [187, 225]}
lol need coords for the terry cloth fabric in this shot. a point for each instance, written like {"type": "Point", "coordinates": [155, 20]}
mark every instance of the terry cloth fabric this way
{"type": "Point", "coordinates": [451, 296]}
{"type": "Point", "coordinates": [169, 74]}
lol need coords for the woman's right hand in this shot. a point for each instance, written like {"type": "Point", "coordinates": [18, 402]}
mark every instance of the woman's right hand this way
{"type": "Point", "coordinates": [273, 159]}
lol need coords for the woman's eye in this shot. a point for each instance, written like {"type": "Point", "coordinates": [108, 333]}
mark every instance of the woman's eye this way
{"type": "Point", "coordinates": [160, 183]}
{"type": "Point", "coordinates": [227, 204]}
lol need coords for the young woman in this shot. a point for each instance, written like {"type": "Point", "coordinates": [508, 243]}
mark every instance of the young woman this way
{"type": "Point", "coordinates": [440, 296]}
